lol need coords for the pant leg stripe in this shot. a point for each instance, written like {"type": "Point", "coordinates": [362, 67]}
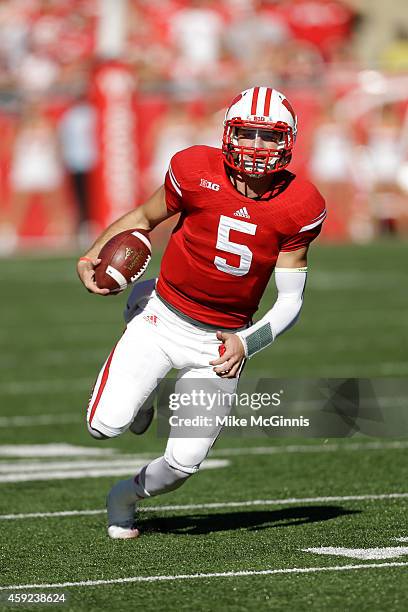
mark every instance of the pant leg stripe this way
{"type": "Point", "coordinates": [102, 385]}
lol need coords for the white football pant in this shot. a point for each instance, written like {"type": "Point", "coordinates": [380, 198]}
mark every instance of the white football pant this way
{"type": "Point", "coordinates": [155, 341]}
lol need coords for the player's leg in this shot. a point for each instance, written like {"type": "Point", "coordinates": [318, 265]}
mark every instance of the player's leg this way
{"type": "Point", "coordinates": [127, 379]}
{"type": "Point", "coordinates": [155, 478]}
{"type": "Point", "coordinates": [138, 298]}
{"type": "Point", "coordinates": [183, 456]}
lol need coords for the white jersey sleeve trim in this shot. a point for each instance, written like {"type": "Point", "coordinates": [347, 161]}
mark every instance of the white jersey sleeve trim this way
{"type": "Point", "coordinates": [320, 219]}
{"type": "Point", "coordinates": [174, 182]}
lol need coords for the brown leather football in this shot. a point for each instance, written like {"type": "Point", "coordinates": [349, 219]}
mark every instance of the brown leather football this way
{"type": "Point", "coordinates": [125, 258]}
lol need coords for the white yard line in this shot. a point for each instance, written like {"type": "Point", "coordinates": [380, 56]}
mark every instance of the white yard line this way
{"type": "Point", "coordinates": [40, 420]}
{"type": "Point", "coordinates": [12, 517]}
{"type": "Point", "coordinates": [67, 450]}
{"type": "Point", "coordinates": [310, 448]}
{"type": "Point", "coordinates": [364, 554]}
{"type": "Point", "coordinates": [25, 467]}
{"type": "Point", "coordinates": [218, 505]}
{"type": "Point", "coordinates": [91, 470]}
{"type": "Point", "coordinates": [69, 385]}
{"type": "Point", "coordinates": [12, 361]}
{"type": "Point", "coordinates": [236, 574]}
{"type": "Point", "coordinates": [46, 387]}
{"type": "Point", "coordinates": [55, 450]}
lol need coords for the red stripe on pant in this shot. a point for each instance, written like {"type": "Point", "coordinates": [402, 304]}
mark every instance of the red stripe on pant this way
{"type": "Point", "coordinates": [104, 380]}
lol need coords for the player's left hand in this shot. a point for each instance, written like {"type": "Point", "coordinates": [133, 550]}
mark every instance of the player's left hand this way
{"type": "Point", "coordinates": [229, 362]}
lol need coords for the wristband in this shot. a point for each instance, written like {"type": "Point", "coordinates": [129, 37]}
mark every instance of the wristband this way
{"type": "Point", "coordinates": [84, 259]}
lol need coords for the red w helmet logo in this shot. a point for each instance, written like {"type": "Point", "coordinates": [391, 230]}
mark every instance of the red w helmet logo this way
{"type": "Point", "coordinates": [287, 105]}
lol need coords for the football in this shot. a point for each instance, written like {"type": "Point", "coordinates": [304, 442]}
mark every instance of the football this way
{"type": "Point", "coordinates": [124, 259]}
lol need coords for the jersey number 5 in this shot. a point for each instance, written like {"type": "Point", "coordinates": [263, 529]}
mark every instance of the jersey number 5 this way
{"type": "Point", "coordinates": [224, 244]}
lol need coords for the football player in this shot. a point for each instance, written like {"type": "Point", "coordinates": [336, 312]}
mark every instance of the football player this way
{"type": "Point", "coordinates": [243, 216]}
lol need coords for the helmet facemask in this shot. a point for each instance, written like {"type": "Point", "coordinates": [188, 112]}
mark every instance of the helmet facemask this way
{"type": "Point", "coordinates": [273, 155]}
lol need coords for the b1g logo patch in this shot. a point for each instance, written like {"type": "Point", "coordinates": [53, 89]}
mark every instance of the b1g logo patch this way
{"type": "Point", "coordinates": [209, 185]}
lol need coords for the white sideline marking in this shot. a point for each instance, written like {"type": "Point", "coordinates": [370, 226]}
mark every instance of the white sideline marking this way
{"type": "Point", "coordinates": [390, 552]}
{"type": "Point", "coordinates": [93, 470]}
{"type": "Point", "coordinates": [11, 517]}
{"type": "Point", "coordinates": [67, 450]}
{"type": "Point", "coordinates": [242, 573]}
{"type": "Point", "coordinates": [117, 461]}
{"type": "Point", "coordinates": [215, 505]}
{"type": "Point", "coordinates": [70, 385]}
{"type": "Point", "coordinates": [39, 420]}
{"type": "Point", "coordinates": [52, 450]}
{"type": "Point", "coordinates": [55, 357]}
{"type": "Point", "coordinates": [30, 387]}
{"type": "Point", "coordinates": [70, 475]}
{"type": "Point", "coordinates": [309, 448]}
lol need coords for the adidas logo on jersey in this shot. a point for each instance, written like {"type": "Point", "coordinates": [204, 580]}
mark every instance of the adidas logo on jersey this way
{"type": "Point", "coordinates": [242, 212]}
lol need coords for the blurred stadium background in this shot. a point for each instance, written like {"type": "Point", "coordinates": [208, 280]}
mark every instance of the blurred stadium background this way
{"type": "Point", "coordinates": [96, 95]}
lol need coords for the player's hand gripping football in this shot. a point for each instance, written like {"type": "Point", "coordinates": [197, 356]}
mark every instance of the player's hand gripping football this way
{"type": "Point", "coordinates": [231, 355]}
{"type": "Point", "coordinates": [86, 272]}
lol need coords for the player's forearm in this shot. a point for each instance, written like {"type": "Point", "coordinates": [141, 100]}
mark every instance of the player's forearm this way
{"type": "Point", "coordinates": [146, 217]}
{"type": "Point", "coordinates": [283, 315]}
{"type": "Point", "coordinates": [133, 219]}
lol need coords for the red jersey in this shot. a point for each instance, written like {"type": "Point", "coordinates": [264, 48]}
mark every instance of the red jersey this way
{"type": "Point", "coordinates": [223, 250]}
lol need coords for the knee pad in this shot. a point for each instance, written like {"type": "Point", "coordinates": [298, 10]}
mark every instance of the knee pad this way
{"type": "Point", "coordinates": [99, 431]}
{"type": "Point", "coordinates": [97, 435]}
{"type": "Point", "coordinates": [187, 455]}
{"type": "Point", "coordinates": [182, 467]}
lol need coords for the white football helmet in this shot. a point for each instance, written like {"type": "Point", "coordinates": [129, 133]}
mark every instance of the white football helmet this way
{"type": "Point", "coordinates": [260, 114]}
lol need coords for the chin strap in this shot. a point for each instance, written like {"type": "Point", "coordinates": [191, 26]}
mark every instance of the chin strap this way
{"type": "Point", "coordinates": [290, 283]}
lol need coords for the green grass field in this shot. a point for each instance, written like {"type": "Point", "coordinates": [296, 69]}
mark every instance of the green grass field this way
{"type": "Point", "coordinates": [273, 498]}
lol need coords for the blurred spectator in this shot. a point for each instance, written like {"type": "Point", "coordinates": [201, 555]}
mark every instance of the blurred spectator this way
{"type": "Point", "coordinates": [187, 56]}
{"type": "Point", "coordinates": [342, 71]}
{"type": "Point", "coordinates": [78, 147]}
{"type": "Point", "coordinates": [332, 163]}
{"type": "Point", "coordinates": [331, 159]}
{"type": "Point", "coordinates": [36, 170]}
{"type": "Point", "coordinates": [319, 22]}
{"type": "Point", "coordinates": [196, 32]}
{"type": "Point", "coordinates": [14, 30]}
{"type": "Point", "coordinates": [173, 132]}
{"type": "Point", "coordinates": [209, 125]}
{"type": "Point", "coordinates": [77, 39]}
{"type": "Point", "coordinates": [149, 48]}
{"type": "Point", "coordinates": [35, 73]}
{"type": "Point", "coordinates": [395, 57]}
{"type": "Point", "coordinates": [386, 150]}
{"type": "Point", "coordinates": [302, 66]}
{"type": "Point", "coordinates": [253, 34]}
